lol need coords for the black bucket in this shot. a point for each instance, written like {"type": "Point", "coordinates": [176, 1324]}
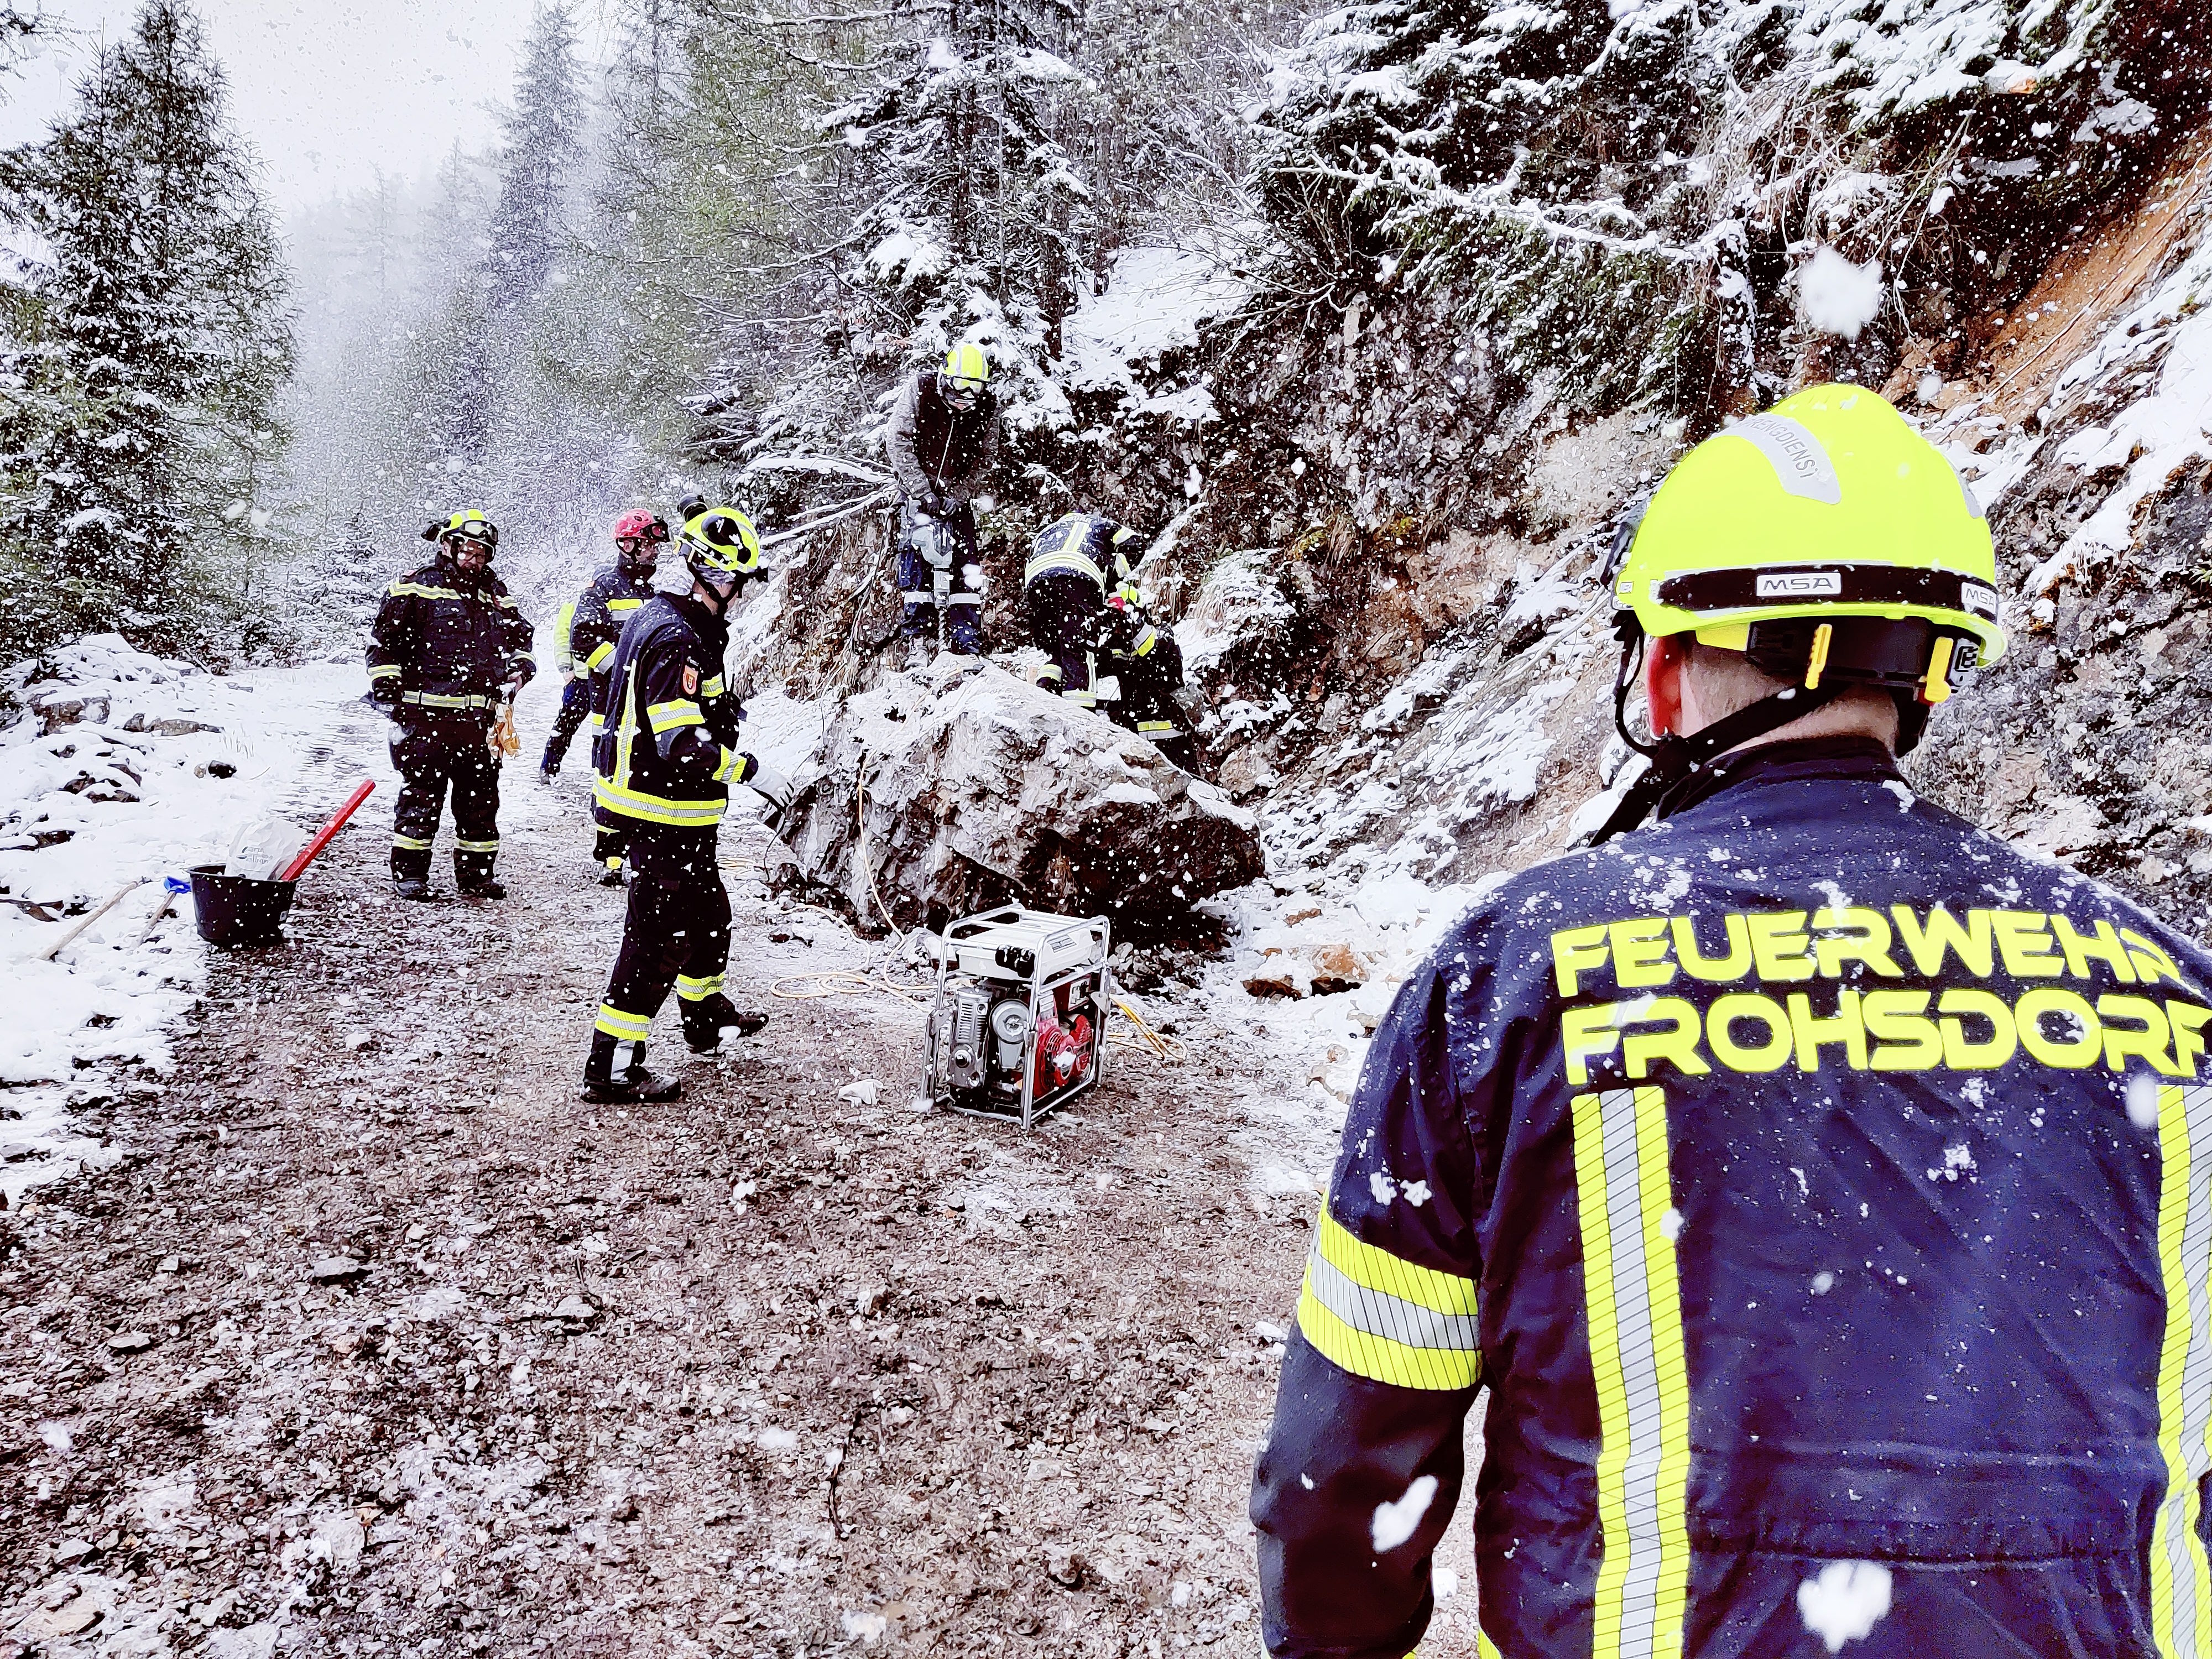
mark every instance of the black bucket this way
{"type": "Point", "coordinates": [238, 909]}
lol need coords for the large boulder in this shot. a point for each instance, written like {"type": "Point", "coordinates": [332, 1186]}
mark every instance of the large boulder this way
{"type": "Point", "coordinates": [981, 789]}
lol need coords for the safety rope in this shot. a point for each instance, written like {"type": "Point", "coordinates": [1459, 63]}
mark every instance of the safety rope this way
{"type": "Point", "coordinates": [1146, 1040]}
{"type": "Point", "coordinates": [842, 983]}
{"type": "Point", "coordinates": [861, 833]}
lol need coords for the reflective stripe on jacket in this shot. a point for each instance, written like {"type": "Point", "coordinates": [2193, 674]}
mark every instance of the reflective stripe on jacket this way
{"type": "Point", "coordinates": [666, 753]}
{"type": "Point", "coordinates": [1823, 1191]}
{"type": "Point", "coordinates": [444, 643]}
{"type": "Point", "coordinates": [1081, 543]}
{"type": "Point", "coordinates": [564, 659]}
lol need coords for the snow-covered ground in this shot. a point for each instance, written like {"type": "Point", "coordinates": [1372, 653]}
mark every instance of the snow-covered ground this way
{"type": "Point", "coordinates": [162, 767]}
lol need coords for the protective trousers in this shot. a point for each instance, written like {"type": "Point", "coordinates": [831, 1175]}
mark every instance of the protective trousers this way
{"type": "Point", "coordinates": [676, 933]}
{"type": "Point", "coordinates": [939, 568]}
{"type": "Point", "coordinates": [575, 709]}
{"type": "Point", "coordinates": [1064, 608]}
{"type": "Point", "coordinates": [1147, 707]}
{"type": "Point", "coordinates": [430, 755]}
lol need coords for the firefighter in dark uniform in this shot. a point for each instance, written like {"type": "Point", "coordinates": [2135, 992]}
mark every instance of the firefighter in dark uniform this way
{"type": "Point", "coordinates": [1080, 594]}
{"type": "Point", "coordinates": [943, 438]}
{"type": "Point", "coordinates": [665, 760]}
{"type": "Point", "coordinates": [604, 608]}
{"type": "Point", "coordinates": [1821, 1188]}
{"type": "Point", "coordinates": [448, 648]}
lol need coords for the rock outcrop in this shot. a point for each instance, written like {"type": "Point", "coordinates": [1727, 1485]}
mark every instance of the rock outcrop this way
{"type": "Point", "coordinates": [930, 797]}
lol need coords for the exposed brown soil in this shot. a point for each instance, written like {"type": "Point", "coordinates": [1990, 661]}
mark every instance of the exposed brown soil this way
{"type": "Point", "coordinates": [761, 1373]}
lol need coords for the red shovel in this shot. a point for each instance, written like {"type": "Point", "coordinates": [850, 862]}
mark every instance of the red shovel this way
{"type": "Point", "coordinates": [293, 871]}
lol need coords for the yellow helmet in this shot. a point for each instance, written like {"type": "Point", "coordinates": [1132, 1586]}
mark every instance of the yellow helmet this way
{"type": "Point", "coordinates": [719, 541]}
{"type": "Point", "coordinates": [469, 524]}
{"type": "Point", "coordinates": [1828, 507]}
{"type": "Point", "coordinates": [1832, 544]}
{"type": "Point", "coordinates": [965, 373]}
{"type": "Point", "coordinates": [966, 361]}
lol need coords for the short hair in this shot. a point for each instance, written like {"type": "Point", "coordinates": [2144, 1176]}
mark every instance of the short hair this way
{"type": "Point", "coordinates": [1727, 681]}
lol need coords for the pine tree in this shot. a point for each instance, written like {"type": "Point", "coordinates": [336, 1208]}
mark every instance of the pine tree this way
{"type": "Point", "coordinates": [541, 146]}
{"type": "Point", "coordinates": [155, 344]}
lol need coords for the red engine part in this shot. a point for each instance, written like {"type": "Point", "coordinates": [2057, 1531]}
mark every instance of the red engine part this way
{"type": "Point", "coordinates": [1062, 1052]}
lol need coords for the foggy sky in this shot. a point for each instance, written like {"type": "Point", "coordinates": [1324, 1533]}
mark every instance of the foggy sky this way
{"type": "Point", "coordinates": [328, 91]}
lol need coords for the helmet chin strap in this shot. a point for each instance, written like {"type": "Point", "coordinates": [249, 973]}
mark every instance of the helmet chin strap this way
{"type": "Point", "coordinates": [1675, 760]}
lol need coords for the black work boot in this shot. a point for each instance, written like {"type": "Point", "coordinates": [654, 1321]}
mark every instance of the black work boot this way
{"type": "Point", "coordinates": [615, 1075]}
{"type": "Point", "coordinates": [472, 875]}
{"type": "Point", "coordinates": [410, 872]}
{"type": "Point", "coordinates": [705, 1020]}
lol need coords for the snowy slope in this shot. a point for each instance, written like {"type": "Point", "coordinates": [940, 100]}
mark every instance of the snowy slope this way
{"type": "Point", "coordinates": [284, 743]}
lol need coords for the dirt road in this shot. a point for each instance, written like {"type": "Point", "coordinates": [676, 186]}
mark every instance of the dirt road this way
{"type": "Point", "coordinates": [378, 1342]}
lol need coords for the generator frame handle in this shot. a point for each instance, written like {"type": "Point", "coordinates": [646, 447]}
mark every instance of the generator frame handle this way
{"type": "Point", "coordinates": [945, 952]}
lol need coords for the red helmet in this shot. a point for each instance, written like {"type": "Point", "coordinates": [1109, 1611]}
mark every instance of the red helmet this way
{"type": "Point", "coordinates": [641, 527]}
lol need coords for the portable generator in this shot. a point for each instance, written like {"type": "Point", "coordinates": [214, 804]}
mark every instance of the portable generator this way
{"type": "Point", "coordinates": [1017, 1029]}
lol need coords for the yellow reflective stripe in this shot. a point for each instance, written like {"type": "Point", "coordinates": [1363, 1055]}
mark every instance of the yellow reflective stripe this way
{"type": "Point", "coordinates": [1389, 1320]}
{"type": "Point", "coordinates": [415, 590]}
{"type": "Point", "coordinates": [506, 602]}
{"type": "Point", "coordinates": [596, 721]}
{"type": "Point", "coordinates": [1624, 1192]}
{"type": "Point", "coordinates": [690, 989]}
{"type": "Point", "coordinates": [634, 1028]}
{"type": "Point", "coordinates": [491, 846]}
{"type": "Point", "coordinates": [712, 686]}
{"type": "Point", "coordinates": [730, 768]}
{"type": "Point", "coordinates": [624, 604]}
{"type": "Point", "coordinates": [1081, 699]}
{"type": "Point", "coordinates": [657, 809]}
{"type": "Point", "coordinates": [1154, 728]}
{"type": "Point", "coordinates": [1045, 564]}
{"type": "Point", "coordinates": [670, 716]}
{"type": "Point", "coordinates": [597, 659]}
{"type": "Point", "coordinates": [2180, 1578]}
{"type": "Point", "coordinates": [1148, 640]}
{"type": "Point", "coordinates": [383, 669]}
{"type": "Point", "coordinates": [446, 699]}
{"type": "Point", "coordinates": [408, 843]}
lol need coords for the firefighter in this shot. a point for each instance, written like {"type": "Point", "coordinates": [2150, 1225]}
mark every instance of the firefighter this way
{"type": "Point", "coordinates": [1078, 592]}
{"type": "Point", "coordinates": [448, 648]}
{"type": "Point", "coordinates": [1821, 1187]}
{"type": "Point", "coordinates": [614, 596]}
{"type": "Point", "coordinates": [943, 435]}
{"type": "Point", "coordinates": [575, 696]}
{"type": "Point", "coordinates": [665, 758]}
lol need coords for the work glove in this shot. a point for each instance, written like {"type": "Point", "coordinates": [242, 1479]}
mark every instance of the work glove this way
{"type": "Point", "coordinates": [519, 673]}
{"type": "Point", "coordinates": [934, 504]}
{"type": "Point", "coordinates": [764, 780]}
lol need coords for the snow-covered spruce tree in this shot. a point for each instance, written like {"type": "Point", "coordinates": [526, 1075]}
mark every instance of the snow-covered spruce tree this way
{"type": "Point", "coordinates": [494, 421]}
{"type": "Point", "coordinates": [145, 364]}
{"type": "Point", "coordinates": [976, 211]}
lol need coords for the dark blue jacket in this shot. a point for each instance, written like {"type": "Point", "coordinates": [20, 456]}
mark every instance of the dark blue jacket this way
{"type": "Point", "coordinates": [1823, 1191]}
{"type": "Point", "coordinates": [666, 752]}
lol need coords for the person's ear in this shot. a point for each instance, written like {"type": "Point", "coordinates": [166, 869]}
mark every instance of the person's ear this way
{"type": "Point", "coordinates": [1665, 660]}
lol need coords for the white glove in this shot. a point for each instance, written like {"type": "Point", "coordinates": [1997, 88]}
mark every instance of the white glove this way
{"type": "Point", "coordinates": [770, 785]}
